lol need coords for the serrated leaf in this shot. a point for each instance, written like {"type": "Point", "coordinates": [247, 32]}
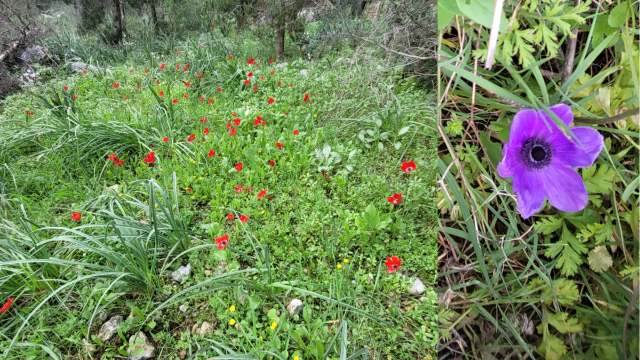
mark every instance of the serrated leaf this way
{"type": "Point", "coordinates": [600, 259]}
{"type": "Point", "coordinates": [552, 347]}
{"type": "Point", "coordinates": [565, 291]}
{"type": "Point", "coordinates": [600, 182]}
{"type": "Point", "coordinates": [548, 225]}
{"type": "Point", "coordinates": [569, 249]}
{"type": "Point", "coordinates": [563, 323]}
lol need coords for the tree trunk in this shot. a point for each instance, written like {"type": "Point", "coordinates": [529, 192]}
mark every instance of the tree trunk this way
{"type": "Point", "coordinates": [118, 18]}
{"type": "Point", "coordinates": [280, 41]}
{"type": "Point", "coordinates": [154, 17]}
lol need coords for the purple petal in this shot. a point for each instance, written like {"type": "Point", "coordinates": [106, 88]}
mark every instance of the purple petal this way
{"type": "Point", "coordinates": [564, 188]}
{"type": "Point", "coordinates": [527, 185]}
{"type": "Point", "coordinates": [527, 124]}
{"type": "Point", "coordinates": [567, 151]}
{"type": "Point", "coordinates": [562, 111]}
{"type": "Point", "coordinates": [591, 140]}
{"type": "Point", "coordinates": [511, 160]}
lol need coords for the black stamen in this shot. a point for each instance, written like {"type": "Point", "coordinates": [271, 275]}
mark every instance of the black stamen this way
{"type": "Point", "coordinates": [536, 153]}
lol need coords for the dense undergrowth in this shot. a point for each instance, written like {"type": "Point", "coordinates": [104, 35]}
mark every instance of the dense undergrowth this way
{"type": "Point", "coordinates": [557, 285]}
{"type": "Point", "coordinates": [114, 178]}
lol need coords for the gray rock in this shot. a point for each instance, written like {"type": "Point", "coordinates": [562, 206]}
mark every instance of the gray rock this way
{"type": "Point", "coordinates": [137, 342]}
{"type": "Point", "coordinates": [109, 328]}
{"type": "Point", "coordinates": [304, 72]}
{"type": "Point", "coordinates": [208, 273]}
{"type": "Point", "coordinates": [181, 274]}
{"type": "Point", "coordinates": [33, 53]}
{"type": "Point", "coordinates": [205, 329]}
{"type": "Point", "coordinates": [79, 66]}
{"type": "Point", "coordinates": [294, 307]}
{"type": "Point", "coordinates": [222, 267]}
{"type": "Point", "coordinates": [417, 287]}
{"type": "Point", "coordinates": [243, 298]}
{"type": "Point", "coordinates": [183, 308]}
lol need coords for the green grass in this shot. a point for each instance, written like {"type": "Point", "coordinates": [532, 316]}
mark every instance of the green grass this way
{"type": "Point", "coordinates": [69, 276]}
{"type": "Point", "coordinates": [559, 285]}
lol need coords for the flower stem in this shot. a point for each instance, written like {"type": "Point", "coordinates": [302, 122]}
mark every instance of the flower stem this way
{"type": "Point", "coordinates": [608, 120]}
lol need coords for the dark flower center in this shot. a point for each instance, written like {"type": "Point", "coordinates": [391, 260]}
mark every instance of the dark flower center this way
{"type": "Point", "coordinates": [223, 243]}
{"type": "Point", "coordinates": [537, 153]}
{"type": "Point", "coordinates": [394, 266]}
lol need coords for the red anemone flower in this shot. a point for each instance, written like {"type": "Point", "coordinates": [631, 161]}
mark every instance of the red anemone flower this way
{"type": "Point", "coordinates": [191, 138]}
{"type": "Point", "coordinates": [75, 97]}
{"type": "Point", "coordinates": [210, 101]}
{"type": "Point", "coordinates": [219, 89]}
{"type": "Point", "coordinates": [150, 158]}
{"type": "Point", "coordinates": [271, 61]}
{"type": "Point", "coordinates": [229, 57]}
{"type": "Point", "coordinates": [262, 194]}
{"type": "Point", "coordinates": [185, 95]}
{"type": "Point", "coordinates": [295, 132]}
{"type": "Point", "coordinates": [187, 84]}
{"type": "Point", "coordinates": [272, 163]}
{"type": "Point", "coordinates": [116, 85]}
{"type": "Point", "coordinates": [236, 121]}
{"type": "Point", "coordinates": [200, 98]}
{"type": "Point", "coordinates": [272, 72]}
{"type": "Point", "coordinates": [119, 163]}
{"type": "Point", "coordinates": [279, 83]}
{"type": "Point", "coordinates": [162, 66]}
{"type": "Point", "coordinates": [270, 101]}
{"type": "Point", "coordinates": [146, 70]}
{"type": "Point", "coordinates": [232, 132]}
{"type": "Point", "coordinates": [233, 113]}
{"type": "Point", "coordinates": [206, 131]}
{"type": "Point", "coordinates": [112, 156]}
{"type": "Point", "coordinates": [177, 66]}
{"type": "Point", "coordinates": [291, 84]}
{"type": "Point", "coordinates": [261, 77]}
{"type": "Point", "coordinates": [222, 241]}
{"type": "Point", "coordinates": [230, 216]}
{"type": "Point", "coordinates": [393, 264]}
{"type": "Point", "coordinates": [408, 166]}
{"type": "Point", "coordinates": [238, 188]}
{"type": "Point", "coordinates": [250, 74]}
{"type": "Point", "coordinates": [179, 52]}
{"type": "Point", "coordinates": [251, 61]}
{"type": "Point", "coordinates": [166, 139]}
{"type": "Point", "coordinates": [395, 199]}
{"type": "Point", "coordinates": [130, 70]}
{"type": "Point", "coordinates": [279, 146]}
{"type": "Point", "coordinates": [199, 76]}
{"type": "Point", "coordinates": [84, 71]}
{"type": "Point", "coordinates": [65, 88]}
{"type": "Point", "coordinates": [211, 153]}
{"type": "Point", "coordinates": [238, 167]}
{"type": "Point", "coordinates": [203, 120]}
{"type": "Point", "coordinates": [247, 82]}
{"type": "Point", "coordinates": [125, 98]}
{"type": "Point", "coordinates": [139, 87]}
{"type": "Point", "coordinates": [76, 216]}
{"type": "Point", "coordinates": [244, 218]}
{"type": "Point", "coordinates": [161, 93]}
{"type": "Point", "coordinates": [6, 305]}
{"type": "Point", "coordinates": [255, 88]}
{"type": "Point", "coordinates": [175, 101]}
{"type": "Point", "coordinates": [306, 97]}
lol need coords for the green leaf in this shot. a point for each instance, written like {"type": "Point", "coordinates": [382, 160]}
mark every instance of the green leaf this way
{"type": "Point", "coordinates": [601, 29]}
{"type": "Point", "coordinates": [96, 340]}
{"type": "Point", "coordinates": [137, 312]}
{"type": "Point", "coordinates": [600, 259]}
{"type": "Point", "coordinates": [444, 16]}
{"type": "Point", "coordinates": [600, 182]}
{"type": "Point", "coordinates": [565, 291]}
{"type": "Point", "coordinates": [570, 249]}
{"type": "Point", "coordinates": [552, 347]}
{"type": "Point", "coordinates": [319, 349]}
{"type": "Point", "coordinates": [494, 150]}
{"type": "Point", "coordinates": [563, 323]}
{"type": "Point", "coordinates": [618, 16]}
{"type": "Point", "coordinates": [548, 225]}
{"type": "Point", "coordinates": [481, 11]}
{"type": "Point", "coordinates": [254, 302]}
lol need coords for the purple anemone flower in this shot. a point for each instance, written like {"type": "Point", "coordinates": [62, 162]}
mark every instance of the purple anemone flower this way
{"type": "Point", "coordinates": [541, 161]}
